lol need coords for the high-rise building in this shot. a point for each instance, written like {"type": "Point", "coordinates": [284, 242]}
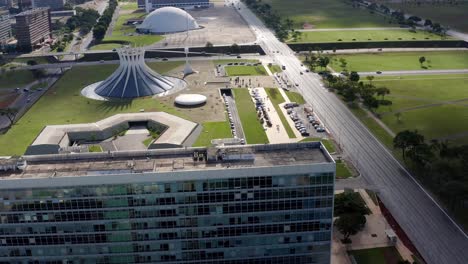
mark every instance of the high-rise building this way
{"type": "Point", "coordinates": [32, 27]}
{"type": "Point", "coordinates": [5, 29]}
{"type": "Point", "coordinates": [52, 4]}
{"type": "Point", "coordinates": [153, 4]}
{"type": "Point", "coordinates": [231, 204]}
{"type": "Point", "coordinates": [24, 4]}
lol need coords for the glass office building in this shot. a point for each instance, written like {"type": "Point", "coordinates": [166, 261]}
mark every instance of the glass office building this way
{"type": "Point", "coordinates": [249, 204]}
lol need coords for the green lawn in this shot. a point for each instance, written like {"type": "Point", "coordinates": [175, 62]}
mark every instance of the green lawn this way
{"type": "Point", "coordinates": [128, 5]}
{"type": "Point", "coordinates": [226, 61]}
{"type": "Point", "coordinates": [13, 79]}
{"type": "Point", "coordinates": [106, 46]}
{"type": "Point", "coordinates": [295, 97]}
{"type": "Point", "coordinates": [213, 130]}
{"type": "Point", "coordinates": [253, 130]}
{"type": "Point", "coordinates": [445, 13]}
{"type": "Point", "coordinates": [342, 171]}
{"type": "Point", "coordinates": [328, 144]}
{"type": "Point", "coordinates": [274, 68]}
{"type": "Point", "coordinates": [95, 148]}
{"type": "Point", "coordinates": [276, 98]}
{"type": "Point", "coordinates": [326, 14]}
{"type": "Point", "coordinates": [147, 142]}
{"type": "Point", "coordinates": [63, 104]}
{"type": "Point", "coordinates": [374, 127]}
{"type": "Point", "coordinates": [122, 32]}
{"type": "Point", "coordinates": [383, 255]}
{"type": "Point", "coordinates": [433, 121]}
{"type": "Point", "coordinates": [245, 70]}
{"type": "Point", "coordinates": [403, 61]}
{"type": "Point", "coordinates": [365, 35]}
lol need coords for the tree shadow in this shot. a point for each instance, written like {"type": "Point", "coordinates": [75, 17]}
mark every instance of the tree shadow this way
{"type": "Point", "coordinates": [115, 105]}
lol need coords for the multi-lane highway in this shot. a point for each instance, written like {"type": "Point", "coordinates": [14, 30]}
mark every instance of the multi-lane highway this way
{"type": "Point", "coordinates": [434, 233]}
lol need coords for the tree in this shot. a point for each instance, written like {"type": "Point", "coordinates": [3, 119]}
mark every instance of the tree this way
{"type": "Point", "coordinates": [235, 48]}
{"type": "Point", "coordinates": [350, 224]}
{"type": "Point", "coordinates": [382, 91]}
{"type": "Point", "coordinates": [208, 45]}
{"type": "Point", "coordinates": [428, 23]}
{"type": "Point", "coordinates": [370, 78]}
{"type": "Point", "coordinates": [10, 113]}
{"type": "Point", "coordinates": [323, 61]}
{"type": "Point", "coordinates": [99, 31]}
{"type": "Point", "coordinates": [289, 23]}
{"type": "Point", "coordinates": [406, 140]}
{"type": "Point", "coordinates": [31, 62]}
{"type": "Point", "coordinates": [350, 203]}
{"type": "Point", "coordinates": [354, 76]}
{"type": "Point", "coordinates": [421, 154]}
{"type": "Point", "coordinates": [422, 59]}
{"type": "Point", "coordinates": [343, 63]}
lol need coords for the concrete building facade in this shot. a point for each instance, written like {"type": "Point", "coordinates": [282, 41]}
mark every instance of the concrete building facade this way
{"type": "Point", "coordinates": [32, 27]}
{"type": "Point", "coordinates": [150, 5]}
{"type": "Point", "coordinates": [5, 29]}
{"type": "Point", "coordinates": [52, 4]}
{"type": "Point", "coordinates": [237, 204]}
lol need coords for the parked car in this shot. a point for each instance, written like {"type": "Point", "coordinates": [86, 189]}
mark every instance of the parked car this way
{"type": "Point", "coordinates": [320, 129]}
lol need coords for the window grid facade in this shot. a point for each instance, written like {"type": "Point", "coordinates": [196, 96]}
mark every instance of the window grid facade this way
{"type": "Point", "coordinates": [269, 219]}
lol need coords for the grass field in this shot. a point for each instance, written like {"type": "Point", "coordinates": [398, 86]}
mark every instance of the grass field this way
{"type": "Point", "coordinates": [383, 255]}
{"type": "Point", "coordinates": [328, 144]}
{"type": "Point", "coordinates": [13, 79]}
{"type": "Point", "coordinates": [122, 32]}
{"type": "Point", "coordinates": [276, 99]}
{"type": "Point", "coordinates": [295, 97]}
{"type": "Point", "coordinates": [365, 35]}
{"type": "Point", "coordinates": [274, 68]}
{"type": "Point", "coordinates": [63, 104]}
{"type": "Point", "coordinates": [429, 104]}
{"type": "Point", "coordinates": [106, 46]}
{"type": "Point", "coordinates": [245, 70]}
{"type": "Point", "coordinates": [95, 148]}
{"type": "Point", "coordinates": [403, 61]}
{"type": "Point", "coordinates": [326, 14]}
{"type": "Point", "coordinates": [443, 12]}
{"type": "Point", "coordinates": [213, 130]}
{"type": "Point", "coordinates": [342, 170]}
{"type": "Point", "coordinates": [253, 130]}
{"type": "Point", "coordinates": [128, 5]}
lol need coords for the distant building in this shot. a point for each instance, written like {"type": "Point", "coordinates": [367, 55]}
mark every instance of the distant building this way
{"type": "Point", "coordinates": [154, 4]}
{"type": "Point", "coordinates": [5, 3]}
{"type": "Point", "coordinates": [5, 29]}
{"type": "Point", "coordinates": [24, 4]}
{"type": "Point", "coordinates": [52, 4]}
{"type": "Point", "coordinates": [32, 27]}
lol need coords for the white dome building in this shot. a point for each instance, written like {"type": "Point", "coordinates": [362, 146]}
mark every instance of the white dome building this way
{"type": "Point", "coordinates": [190, 99]}
{"type": "Point", "coordinates": [167, 20]}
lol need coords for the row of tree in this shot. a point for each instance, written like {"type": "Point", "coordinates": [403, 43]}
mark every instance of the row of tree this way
{"type": "Point", "coordinates": [443, 168]}
{"type": "Point", "coordinates": [352, 90]}
{"type": "Point", "coordinates": [399, 16]}
{"type": "Point", "coordinates": [85, 19]}
{"type": "Point", "coordinates": [100, 29]}
{"type": "Point", "coordinates": [272, 19]}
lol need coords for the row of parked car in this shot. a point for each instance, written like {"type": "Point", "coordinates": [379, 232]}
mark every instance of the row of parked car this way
{"type": "Point", "coordinates": [283, 83]}
{"type": "Point", "coordinates": [262, 113]}
{"type": "Point", "coordinates": [231, 120]}
{"type": "Point", "coordinates": [315, 123]}
{"type": "Point", "coordinates": [294, 117]}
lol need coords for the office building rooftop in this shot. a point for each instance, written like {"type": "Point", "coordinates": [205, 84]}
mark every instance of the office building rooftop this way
{"type": "Point", "coordinates": [172, 160]}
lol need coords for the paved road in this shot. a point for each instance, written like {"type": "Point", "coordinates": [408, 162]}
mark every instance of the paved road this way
{"type": "Point", "coordinates": [416, 72]}
{"type": "Point", "coordinates": [350, 29]}
{"type": "Point", "coordinates": [436, 236]}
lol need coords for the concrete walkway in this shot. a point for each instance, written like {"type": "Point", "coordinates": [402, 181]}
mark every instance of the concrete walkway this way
{"type": "Point", "coordinates": [276, 133]}
{"type": "Point", "coordinates": [350, 29]}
